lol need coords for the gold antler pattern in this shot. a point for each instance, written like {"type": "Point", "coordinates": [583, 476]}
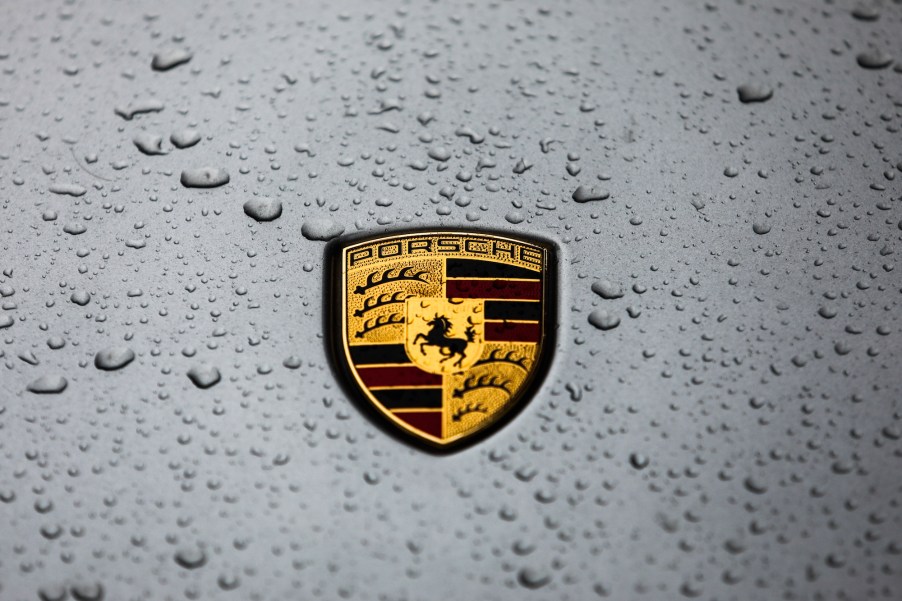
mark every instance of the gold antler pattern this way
{"type": "Point", "coordinates": [510, 357]}
{"type": "Point", "coordinates": [467, 410]}
{"type": "Point", "coordinates": [380, 321]}
{"type": "Point", "coordinates": [473, 383]}
{"type": "Point", "coordinates": [381, 300]}
{"type": "Point", "coordinates": [404, 274]}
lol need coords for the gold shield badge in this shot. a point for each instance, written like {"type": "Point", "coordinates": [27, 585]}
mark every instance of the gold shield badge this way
{"type": "Point", "coordinates": [444, 332]}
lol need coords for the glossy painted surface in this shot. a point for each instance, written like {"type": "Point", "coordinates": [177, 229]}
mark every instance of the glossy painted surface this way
{"type": "Point", "coordinates": [721, 419]}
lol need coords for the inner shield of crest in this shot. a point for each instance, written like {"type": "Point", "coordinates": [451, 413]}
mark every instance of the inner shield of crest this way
{"type": "Point", "coordinates": [444, 336]}
{"type": "Point", "coordinates": [444, 332]}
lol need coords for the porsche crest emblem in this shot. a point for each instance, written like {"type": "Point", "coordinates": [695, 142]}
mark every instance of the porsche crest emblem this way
{"type": "Point", "coordinates": [444, 332]}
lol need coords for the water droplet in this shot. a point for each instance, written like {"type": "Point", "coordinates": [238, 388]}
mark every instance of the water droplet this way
{"type": "Point", "coordinates": [827, 312]}
{"type": "Point", "coordinates": [190, 558]}
{"type": "Point", "coordinates": [113, 358]}
{"type": "Point", "coordinates": [533, 579]}
{"type": "Point", "coordinates": [204, 177]}
{"type": "Point", "coordinates": [48, 385]}
{"type": "Point", "coordinates": [228, 582]}
{"type": "Point", "coordinates": [754, 92]}
{"type": "Point", "coordinates": [874, 59]}
{"type": "Point", "coordinates": [75, 229]}
{"type": "Point", "coordinates": [584, 194]}
{"type": "Point", "coordinates": [866, 12]}
{"type": "Point", "coordinates": [522, 166]}
{"type": "Point", "coordinates": [204, 376]}
{"type": "Point", "coordinates": [87, 591]}
{"type": "Point", "coordinates": [170, 58]}
{"type": "Point", "coordinates": [149, 105]}
{"type": "Point", "coordinates": [321, 228]}
{"type": "Point", "coordinates": [148, 143]}
{"type": "Point", "coordinates": [80, 297]}
{"type": "Point", "coordinates": [515, 217]}
{"type": "Point", "coordinates": [439, 154]}
{"type": "Point", "coordinates": [606, 290]}
{"type": "Point", "coordinates": [52, 592]}
{"type": "Point", "coordinates": [68, 189]}
{"type": "Point", "coordinates": [639, 461]}
{"type": "Point", "coordinates": [263, 208]}
{"type": "Point", "coordinates": [468, 133]}
{"type": "Point", "coordinates": [755, 485]}
{"type": "Point", "coordinates": [184, 138]}
{"type": "Point", "coordinates": [603, 320]}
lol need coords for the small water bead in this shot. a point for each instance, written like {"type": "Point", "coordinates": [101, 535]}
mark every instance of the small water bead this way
{"type": "Point", "coordinates": [639, 461]}
{"type": "Point", "coordinates": [292, 362]}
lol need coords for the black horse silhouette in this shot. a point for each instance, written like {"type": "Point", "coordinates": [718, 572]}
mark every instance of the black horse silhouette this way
{"type": "Point", "coordinates": [447, 346]}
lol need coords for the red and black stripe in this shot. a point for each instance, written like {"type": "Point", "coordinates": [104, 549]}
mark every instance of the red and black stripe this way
{"type": "Point", "coordinates": [500, 289]}
{"type": "Point", "coordinates": [366, 354]}
{"type": "Point", "coordinates": [475, 268]}
{"type": "Point", "coordinates": [513, 295]}
{"type": "Point", "coordinates": [519, 310]}
{"type": "Point", "coordinates": [387, 372]}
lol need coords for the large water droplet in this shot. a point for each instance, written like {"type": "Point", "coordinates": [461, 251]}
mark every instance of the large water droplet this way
{"type": "Point", "coordinates": [321, 228]}
{"type": "Point", "coordinates": [113, 358]}
{"type": "Point", "coordinates": [204, 376]}
{"type": "Point", "coordinates": [603, 320]}
{"type": "Point", "coordinates": [170, 58]}
{"type": "Point", "coordinates": [606, 290]}
{"type": "Point", "coordinates": [874, 59]}
{"type": "Point", "coordinates": [584, 194]}
{"type": "Point", "coordinates": [754, 92]}
{"type": "Point", "coordinates": [204, 177]}
{"type": "Point", "coordinates": [148, 143]}
{"type": "Point", "coordinates": [263, 208]}
{"type": "Point", "coordinates": [184, 138]}
{"type": "Point", "coordinates": [190, 558]}
{"type": "Point", "coordinates": [48, 385]}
